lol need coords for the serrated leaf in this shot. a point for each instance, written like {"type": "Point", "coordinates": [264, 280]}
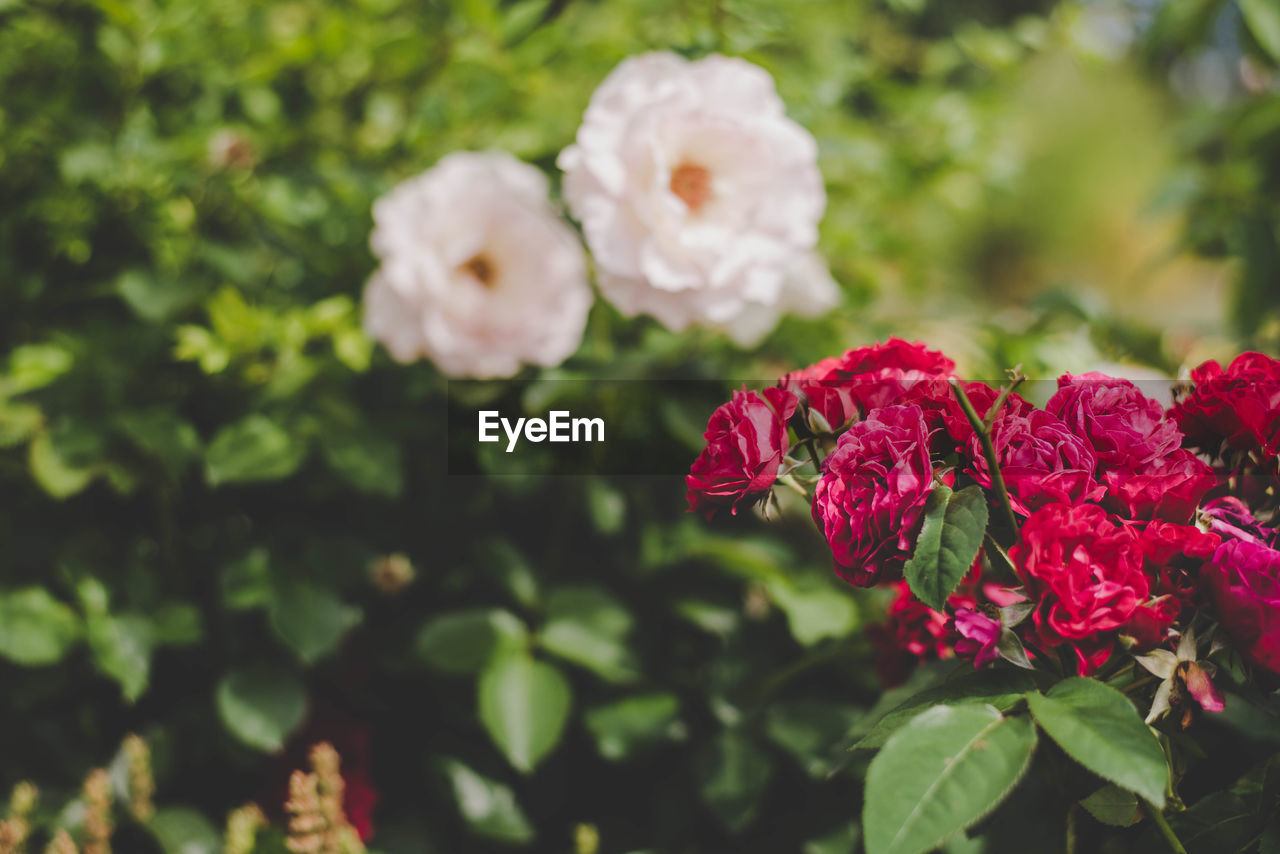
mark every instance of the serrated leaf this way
{"type": "Point", "coordinates": [1002, 689]}
{"type": "Point", "coordinates": [1098, 727]}
{"type": "Point", "coordinates": [254, 448]}
{"type": "Point", "coordinates": [488, 807]}
{"type": "Point", "coordinates": [949, 540]}
{"type": "Point", "coordinates": [1114, 806]}
{"type": "Point", "coordinates": [947, 768]}
{"type": "Point", "coordinates": [588, 626]}
{"type": "Point", "coordinates": [464, 641]}
{"type": "Point", "coordinates": [35, 628]}
{"type": "Point", "coordinates": [262, 705]}
{"type": "Point", "coordinates": [524, 705]}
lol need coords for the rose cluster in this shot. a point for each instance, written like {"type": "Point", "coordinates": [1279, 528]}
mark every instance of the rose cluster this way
{"type": "Point", "coordinates": [1116, 526]}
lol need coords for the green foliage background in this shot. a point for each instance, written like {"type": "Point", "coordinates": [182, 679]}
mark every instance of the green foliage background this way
{"type": "Point", "coordinates": [201, 454]}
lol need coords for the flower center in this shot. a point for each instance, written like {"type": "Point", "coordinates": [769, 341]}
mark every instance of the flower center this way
{"type": "Point", "coordinates": [480, 267]}
{"type": "Point", "coordinates": [691, 184]}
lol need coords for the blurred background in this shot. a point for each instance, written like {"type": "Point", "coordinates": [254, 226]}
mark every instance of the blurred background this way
{"type": "Point", "coordinates": [228, 522]}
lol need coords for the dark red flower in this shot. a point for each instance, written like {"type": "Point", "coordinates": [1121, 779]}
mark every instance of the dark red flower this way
{"type": "Point", "coordinates": [1168, 487]}
{"type": "Point", "coordinates": [865, 378]}
{"type": "Point", "coordinates": [982, 397]}
{"type": "Point", "coordinates": [1233, 408]}
{"type": "Point", "coordinates": [979, 635]}
{"type": "Point", "coordinates": [1244, 582]}
{"type": "Point", "coordinates": [1125, 428]}
{"type": "Point", "coordinates": [1042, 461]}
{"type": "Point", "coordinates": [746, 441]}
{"type": "Point", "coordinates": [1084, 571]}
{"type": "Point", "coordinates": [872, 493]}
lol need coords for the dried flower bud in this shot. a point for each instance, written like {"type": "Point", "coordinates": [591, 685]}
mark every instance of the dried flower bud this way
{"type": "Point", "coordinates": [392, 573]}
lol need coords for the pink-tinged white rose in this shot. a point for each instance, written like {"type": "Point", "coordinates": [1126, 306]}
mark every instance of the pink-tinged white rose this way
{"type": "Point", "coordinates": [479, 274]}
{"type": "Point", "coordinates": [699, 198]}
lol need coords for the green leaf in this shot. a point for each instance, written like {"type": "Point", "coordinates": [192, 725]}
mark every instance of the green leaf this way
{"type": "Point", "coordinates": [733, 773]}
{"type": "Point", "coordinates": [35, 628]}
{"type": "Point", "coordinates": [184, 831]}
{"type": "Point", "coordinates": [254, 448]}
{"type": "Point", "coordinates": [311, 619]}
{"type": "Point", "coordinates": [524, 704]}
{"type": "Point", "coordinates": [50, 468]}
{"type": "Point", "coordinates": [465, 641]}
{"type": "Point", "coordinates": [34, 366]}
{"type": "Point", "coordinates": [153, 298]}
{"type": "Point", "coordinates": [1002, 689]}
{"type": "Point", "coordinates": [177, 624]}
{"type": "Point", "coordinates": [815, 608]}
{"type": "Point", "coordinates": [122, 650]}
{"type": "Point", "coordinates": [811, 731]}
{"type": "Point", "coordinates": [947, 768]}
{"type": "Point", "coordinates": [1114, 806]}
{"type": "Point", "coordinates": [588, 626]}
{"type": "Point", "coordinates": [1099, 728]}
{"type": "Point", "coordinates": [162, 435]}
{"type": "Point", "coordinates": [1263, 18]}
{"type": "Point", "coordinates": [488, 807]}
{"type": "Point", "coordinates": [369, 462]}
{"type": "Point", "coordinates": [624, 727]}
{"type": "Point", "coordinates": [246, 583]}
{"type": "Point", "coordinates": [952, 532]}
{"type": "Point", "coordinates": [262, 705]}
{"type": "Point", "coordinates": [843, 840]}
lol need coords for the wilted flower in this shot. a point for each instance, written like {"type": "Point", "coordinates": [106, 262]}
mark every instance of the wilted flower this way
{"type": "Point", "coordinates": [699, 198]}
{"type": "Point", "coordinates": [1182, 675]}
{"type": "Point", "coordinates": [478, 272]}
{"type": "Point", "coordinates": [746, 441]}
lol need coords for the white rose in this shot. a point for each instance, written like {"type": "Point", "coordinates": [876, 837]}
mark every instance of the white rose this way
{"type": "Point", "coordinates": [699, 198]}
{"type": "Point", "coordinates": [479, 274]}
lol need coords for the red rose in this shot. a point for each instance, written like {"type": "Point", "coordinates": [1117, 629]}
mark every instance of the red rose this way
{"type": "Point", "coordinates": [1230, 518]}
{"type": "Point", "coordinates": [850, 386]}
{"type": "Point", "coordinates": [1237, 408]}
{"type": "Point", "coordinates": [982, 397]}
{"type": "Point", "coordinates": [1084, 571]}
{"type": "Point", "coordinates": [1243, 580]}
{"type": "Point", "coordinates": [1041, 459]}
{"type": "Point", "coordinates": [979, 636]}
{"type": "Point", "coordinates": [1125, 427]}
{"type": "Point", "coordinates": [872, 492]}
{"type": "Point", "coordinates": [746, 441]}
{"type": "Point", "coordinates": [1168, 487]}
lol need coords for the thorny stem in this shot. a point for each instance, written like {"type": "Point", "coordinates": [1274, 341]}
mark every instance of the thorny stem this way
{"type": "Point", "coordinates": [1165, 830]}
{"type": "Point", "coordinates": [988, 451]}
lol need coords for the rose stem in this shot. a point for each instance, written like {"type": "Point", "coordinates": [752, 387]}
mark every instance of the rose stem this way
{"type": "Point", "coordinates": [1165, 830]}
{"type": "Point", "coordinates": [988, 451]}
